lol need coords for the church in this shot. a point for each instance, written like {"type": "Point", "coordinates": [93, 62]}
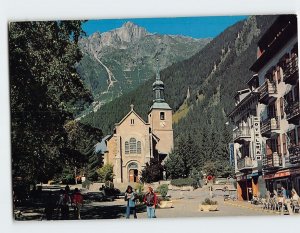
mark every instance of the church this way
{"type": "Point", "coordinates": [134, 141]}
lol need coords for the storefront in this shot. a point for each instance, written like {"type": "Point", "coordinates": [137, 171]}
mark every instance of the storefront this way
{"type": "Point", "coordinates": [288, 178]}
{"type": "Point", "coordinates": [250, 185]}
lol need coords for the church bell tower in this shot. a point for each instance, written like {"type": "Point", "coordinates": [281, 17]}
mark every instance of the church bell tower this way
{"type": "Point", "coordinates": [160, 118]}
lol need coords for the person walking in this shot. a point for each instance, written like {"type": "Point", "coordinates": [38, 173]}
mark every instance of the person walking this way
{"type": "Point", "coordinates": [50, 206]}
{"type": "Point", "coordinates": [150, 199]}
{"type": "Point", "coordinates": [63, 204]}
{"type": "Point", "coordinates": [130, 197]}
{"type": "Point", "coordinates": [77, 202]}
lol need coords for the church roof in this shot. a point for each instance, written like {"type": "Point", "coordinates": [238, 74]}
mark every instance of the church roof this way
{"type": "Point", "coordinates": [160, 105]}
{"type": "Point", "coordinates": [101, 146]}
{"type": "Point", "coordinates": [132, 111]}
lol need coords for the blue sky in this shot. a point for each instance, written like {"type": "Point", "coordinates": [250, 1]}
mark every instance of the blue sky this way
{"type": "Point", "coordinates": [197, 27]}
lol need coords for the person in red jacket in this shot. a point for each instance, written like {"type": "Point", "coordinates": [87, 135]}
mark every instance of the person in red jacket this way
{"type": "Point", "coordinates": [77, 201]}
{"type": "Point", "coordinates": [150, 199]}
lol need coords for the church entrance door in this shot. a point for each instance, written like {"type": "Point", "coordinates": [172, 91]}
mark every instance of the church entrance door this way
{"type": "Point", "coordinates": [133, 175]}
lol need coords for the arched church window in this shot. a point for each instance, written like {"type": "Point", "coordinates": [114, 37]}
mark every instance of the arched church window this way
{"type": "Point", "coordinates": [132, 146]}
{"type": "Point", "coordinates": [133, 165]}
{"type": "Point", "coordinates": [126, 147]}
{"type": "Point", "coordinates": [138, 147]}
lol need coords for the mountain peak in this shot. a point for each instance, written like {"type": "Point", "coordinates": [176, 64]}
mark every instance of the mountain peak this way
{"type": "Point", "coordinates": [129, 24]}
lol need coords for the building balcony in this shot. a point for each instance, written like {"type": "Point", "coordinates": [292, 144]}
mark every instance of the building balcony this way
{"type": "Point", "coordinates": [291, 71]}
{"type": "Point", "coordinates": [267, 92]}
{"type": "Point", "coordinates": [241, 134]}
{"type": "Point", "coordinates": [293, 113]}
{"type": "Point", "coordinates": [269, 126]}
{"type": "Point", "coordinates": [273, 161]}
{"type": "Point", "coordinates": [244, 164]}
{"type": "Point", "coordinates": [294, 154]}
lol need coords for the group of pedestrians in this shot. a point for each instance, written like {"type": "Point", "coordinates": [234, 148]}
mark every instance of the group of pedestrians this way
{"type": "Point", "coordinates": [149, 199]}
{"type": "Point", "coordinates": [65, 201]}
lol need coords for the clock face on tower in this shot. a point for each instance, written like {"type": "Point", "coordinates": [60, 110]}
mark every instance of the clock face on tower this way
{"type": "Point", "coordinates": [162, 123]}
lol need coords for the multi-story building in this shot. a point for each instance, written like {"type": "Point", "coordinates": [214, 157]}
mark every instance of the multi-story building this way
{"type": "Point", "coordinates": [277, 69]}
{"type": "Point", "coordinates": [247, 142]}
{"type": "Point", "coordinates": [273, 100]}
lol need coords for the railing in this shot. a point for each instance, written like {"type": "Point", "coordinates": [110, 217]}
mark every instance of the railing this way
{"type": "Point", "coordinates": [272, 161]}
{"type": "Point", "coordinates": [268, 87]}
{"type": "Point", "coordinates": [269, 124]}
{"type": "Point", "coordinates": [241, 132]}
{"type": "Point", "coordinates": [294, 152]}
{"type": "Point", "coordinates": [292, 110]}
{"type": "Point", "coordinates": [244, 163]}
{"type": "Point", "coordinates": [290, 69]}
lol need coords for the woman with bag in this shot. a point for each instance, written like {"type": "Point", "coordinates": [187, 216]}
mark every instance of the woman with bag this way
{"type": "Point", "coordinates": [130, 197]}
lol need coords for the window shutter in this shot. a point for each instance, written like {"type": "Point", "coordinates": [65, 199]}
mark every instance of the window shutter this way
{"type": "Point", "coordinates": [278, 144]}
{"type": "Point", "coordinates": [281, 107]}
{"type": "Point", "coordinates": [268, 147]}
{"type": "Point", "coordinates": [284, 144]}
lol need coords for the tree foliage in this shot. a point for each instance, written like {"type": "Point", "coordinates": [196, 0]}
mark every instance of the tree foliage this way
{"type": "Point", "coordinates": [45, 92]}
{"type": "Point", "coordinates": [152, 172]}
{"type": "Point", "coordinates": [106, 173]}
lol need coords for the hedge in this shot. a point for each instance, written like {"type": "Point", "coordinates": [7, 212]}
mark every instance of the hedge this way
{"type": "Point", "coordinates": [184, 182]}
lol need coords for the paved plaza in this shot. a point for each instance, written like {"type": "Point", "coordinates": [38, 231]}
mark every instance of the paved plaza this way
{"type": "Point", "coordinates": [185, 204]}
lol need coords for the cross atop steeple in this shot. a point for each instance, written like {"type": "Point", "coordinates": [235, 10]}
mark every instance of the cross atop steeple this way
{"type": "Point", "coordinates": [131, 106]}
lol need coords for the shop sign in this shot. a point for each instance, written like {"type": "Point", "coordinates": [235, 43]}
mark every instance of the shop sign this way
{"type": "Point", "coordinates": [257, 138]}
{"type": "Point", "coordinates": [231, 154]}
{"type": "Point", "coordinates": [277, 175]}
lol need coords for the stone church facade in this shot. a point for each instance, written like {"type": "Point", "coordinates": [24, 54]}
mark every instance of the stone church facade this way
{"type": "Point", "coordinates": [134, 141]}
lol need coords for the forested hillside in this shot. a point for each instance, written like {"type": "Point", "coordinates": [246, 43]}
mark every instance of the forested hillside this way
{"type": "Point", "coordinates": [212, 76]}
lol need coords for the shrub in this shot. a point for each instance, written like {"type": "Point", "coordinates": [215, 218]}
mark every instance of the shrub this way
{"type": "Point", "coordinates": [184, 182]}
{"type": "Point", "coordinates": [163, 190]}
{"type": "Point", "coordinates": [207, 201]}
{"type": "Point", "coordinates": [140, 197]}
{"type": "Point", "coordinates": [139, 188]}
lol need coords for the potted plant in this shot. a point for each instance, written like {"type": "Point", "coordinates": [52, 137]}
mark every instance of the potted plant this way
{"type": "Point", "coordinates": [208, 205]}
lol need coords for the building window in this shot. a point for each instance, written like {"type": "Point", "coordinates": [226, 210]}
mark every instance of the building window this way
{"type": "Point", "coordinates": [272, 110]}
{"type": "Point", "coordinates": [126, 147]}
{"type": "Point", "coordinates": [291, 137]}
{"type": "Point", "coordinates": [278, 73]}
{"type": "Point", "coordinates": [132, 146]}
{"type": "Point", "coordinates": [132, 121]}
{"type": "Point", "coordinates": [162, 115]}
{"type": "Point", "coordinates": [138, 147]}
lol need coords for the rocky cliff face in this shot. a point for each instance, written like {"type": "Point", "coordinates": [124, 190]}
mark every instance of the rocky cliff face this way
{"type": "Point", "coordinates": [117, 61]}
